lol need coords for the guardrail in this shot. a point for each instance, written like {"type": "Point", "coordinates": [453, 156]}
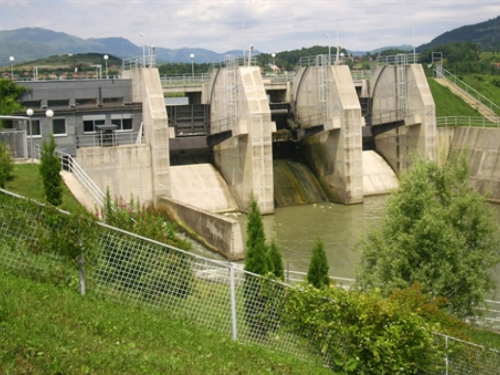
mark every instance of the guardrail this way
{"type": "Point", "coordinates": [399, 59]}
{"type": "Point", "coordinates": [220, 126]}
{"type": "Point", "coordinates": [468, 90]}
{"type": "Point", "coordinates": [104, 140]}
{"type": "Point", "coordinates": [476, 121]}
{"type": "Point", "coordinates": [184, 79]}
{"type": "Point", "coordinates": [69, 164]}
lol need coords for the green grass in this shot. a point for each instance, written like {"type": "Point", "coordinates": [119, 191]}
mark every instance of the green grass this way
{"type": "Point", "coordinates": [486, 85]}
{"type": "Point", "coordinates": [28, 183]}
{"type": "Point", "coordinates": [46, 329]}
{"type": "Point", "coordinates": [448, 104]}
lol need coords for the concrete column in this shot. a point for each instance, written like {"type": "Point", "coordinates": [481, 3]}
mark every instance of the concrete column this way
{"type": "Point", "coordinates": [245, 160]}
{"type": "Point", "coordinates": [146, 88]}
{"type": "Point", "coordinates": [334, 155]}
{"type": "Point", "coordinates": [419, 130]}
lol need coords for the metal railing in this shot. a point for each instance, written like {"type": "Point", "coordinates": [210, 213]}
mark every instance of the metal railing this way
{"type": "Point", "coordinates": [278, 77]}
{"type": "Point", "coordinates": [15, 141]}
{"type": "Point", "coordinates": [184, 79]}
{"type": "Point", "coordinates": [220, 126]}
{"type": "Point", "coordinates": [469, 121]}
{"type": "Point", "coordinates": [389, 117]}
{"type": "Point", "coordinates": [468, 90]}
{"type": "Point", "coordinates": [144, 61]}
{"type": "Point", "coordinates": [69, 164]}
{"type": "Point", "coordinates": [232, 61]}
{"type": "Point", "coordinates": [399, 59]}
{"type": "Point", "coordinates": [214, 294]}
{"type": "Point", "coordinates": [107, 139]}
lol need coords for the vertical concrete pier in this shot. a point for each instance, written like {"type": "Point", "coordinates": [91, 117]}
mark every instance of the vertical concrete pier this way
{"type": "Point", "coordinates": [239, 104]}
{"type": "Point", "coordinates": [325, 95]}
{"type": "Point", "coordinates": [401, 93]}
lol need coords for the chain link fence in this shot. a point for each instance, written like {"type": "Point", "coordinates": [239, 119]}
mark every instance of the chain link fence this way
{"type": "Point", "coordinates": [122, 266]}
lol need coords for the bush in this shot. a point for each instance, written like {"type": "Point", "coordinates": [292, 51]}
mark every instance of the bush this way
{"type": "Point", "coordinates": [360, 333]}
{"type": "Point", "coordinates": [6, 166]}
{"type": "Point", "coordinates": [317, 275]}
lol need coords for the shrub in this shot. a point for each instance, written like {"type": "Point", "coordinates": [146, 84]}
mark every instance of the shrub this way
{"type": "Point", "coordinates": [6, 166]}
{"type": "Point", "coordinates": [360, 333]}
{"type": "Point", "coordinates": [317, 275]}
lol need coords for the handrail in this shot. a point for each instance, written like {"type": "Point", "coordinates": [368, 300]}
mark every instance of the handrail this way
{"type": "Point", "coordinates": [184, 79]}
{"type": "Point", "coordinates": [69, 164]}
{"type": "Point", "coordinates": [104, 139]}
{"type": "Point", "coordinates": [220, 126]}
{"type": "Point", "coordinates": [468, 90]}
{"type": "Point", "coordinates": [469, 121]}
{"type": "Point", "coordinates": [399, 59]}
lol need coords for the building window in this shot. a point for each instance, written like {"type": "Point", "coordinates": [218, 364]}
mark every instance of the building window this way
{"type": "Point", "coordinates": [110, 101]}
{"type": "Point", "coordinates": [59, 126]}
{"type": "Point", "coordinates": [123, 122]}
{"type": "Point", "coordinates": [90, 122]}
{"type": "Point", "coordinates": [32, 104]}
{"type": "Point", "coordinates": [35, 126]}
{"type": "Point", "coordinates": [58, 103]}
{"type": "Point", "coordinates": [86, 101]}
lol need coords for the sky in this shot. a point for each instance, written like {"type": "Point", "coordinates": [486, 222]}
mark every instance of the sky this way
{"type": "Point", "coordinates": [270, 25]}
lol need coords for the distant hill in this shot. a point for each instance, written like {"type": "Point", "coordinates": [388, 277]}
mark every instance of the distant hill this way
{"type": "Point", "coordinates": [28, 44]}
{"type": "Point", "coordinates": [486, 34]}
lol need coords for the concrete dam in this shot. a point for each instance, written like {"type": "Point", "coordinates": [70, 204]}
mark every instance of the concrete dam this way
{"type": "Point", "coordinates": [321, 137]}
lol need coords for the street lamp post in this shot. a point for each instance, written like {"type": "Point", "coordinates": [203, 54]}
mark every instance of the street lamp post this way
{"type": "Point", "coordinates": [30, 112]}
{"type": "Point", "coordinates": [50, 113]}
{"type": "Point", "coordinates": [273, 55]}
{"type": "Point", "coordinates": [106, 57]}
{"type": "Point", "coordinates": [11, 59]}
{"type": "Point", "coordinates": [192, 64]}
{"type": "Point", "coordinates": [329, 49]}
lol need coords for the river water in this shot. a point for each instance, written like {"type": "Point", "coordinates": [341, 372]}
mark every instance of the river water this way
{"type": "Point", "coordinates": [297, 228]}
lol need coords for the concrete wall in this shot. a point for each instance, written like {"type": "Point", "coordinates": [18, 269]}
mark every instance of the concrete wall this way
{"type": "Point", "coordinates": [147, 87]}
{"type": "Point", "coordinates": [419, 130]}
{"type": "Point", "coordinates": [245, 160]}
{"type": "Point", "coordinates": [215, 232]}
{"type": "Point", "coordinates": [126, 170]}
{"type": "Point", "coordinates": [335, 155]}
{"type": "Point", "coordinates": [482, 147]}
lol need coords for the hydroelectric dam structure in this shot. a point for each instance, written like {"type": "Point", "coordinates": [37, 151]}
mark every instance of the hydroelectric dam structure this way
{"type": "Point", "coordinates": [351, 134]}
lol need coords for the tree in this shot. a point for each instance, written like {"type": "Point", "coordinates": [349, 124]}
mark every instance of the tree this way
{"type": "Point", "coordinates": [256, 258]}
{"type": "Point", "coordinates": [9, 92]}
{"type": "Point", "coordinates": [437, 231]}
{"type": "Point", "coordinates": [6, 165]}
{"type": "Point", "coordinates": [317, 275]}
{"type": "Point", "coordinates": [50, 166]}
{"type": "Point", "coordinates": [276, 261]}
{"type": "Point", "coordinates": [260, 292]}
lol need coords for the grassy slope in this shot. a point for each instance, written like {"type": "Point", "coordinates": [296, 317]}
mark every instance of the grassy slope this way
{"type": "Point", "coordinates": [487, 86]}
{"type": "Point", "coordinates": [448, 104]}
{"type": "Point", "coordinates": [28, 183]}
{"type": "Point", "coordinates": [52, 330]}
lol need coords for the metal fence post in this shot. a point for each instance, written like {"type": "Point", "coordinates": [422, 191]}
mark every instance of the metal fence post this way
{"type": "Point", "coordinates": [81, 262]}
{"type": "Point", "coordinates": [233, 303]}
{"type": "Point", "coordinates": [446, 359]}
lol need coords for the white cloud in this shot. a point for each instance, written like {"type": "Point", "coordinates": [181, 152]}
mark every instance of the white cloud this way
{"type": "Point", "coordinates": [276, 25]}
